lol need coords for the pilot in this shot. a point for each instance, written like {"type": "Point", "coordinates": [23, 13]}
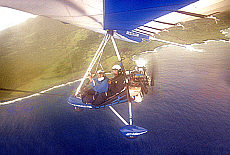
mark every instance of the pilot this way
{"type": "Point", "coordinates": [99, 86]}
{"type": "Point", "coordinates": [116, 84]}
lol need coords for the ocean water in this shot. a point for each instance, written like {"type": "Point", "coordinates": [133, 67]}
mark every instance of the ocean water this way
{"type": "Point", "coordinates": [186, 112]}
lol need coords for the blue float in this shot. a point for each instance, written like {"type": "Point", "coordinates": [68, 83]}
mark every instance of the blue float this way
{"type": "Point", "coordinates": [77, 102]}
{"type": "Point", "coordinates": [132, 131]}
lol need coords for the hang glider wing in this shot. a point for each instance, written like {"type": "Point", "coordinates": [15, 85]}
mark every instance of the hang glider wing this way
{"type": "Point", "coordinates": [132, 20]}
{"type": "Point", "coordinates": [143, 19]}
{"type": "Point", "coordinates": [84, 13]}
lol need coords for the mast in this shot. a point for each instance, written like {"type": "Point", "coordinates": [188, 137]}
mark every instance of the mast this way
{"type": "Point", "coordinates": [127, 87]}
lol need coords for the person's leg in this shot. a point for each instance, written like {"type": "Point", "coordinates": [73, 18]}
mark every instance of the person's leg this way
{"type": "Point", "coordinates": [88, 96]}
{"type": "Point", "coordinates": [88, 99]}
{"type": "Point", "coordinates": [100, 98]}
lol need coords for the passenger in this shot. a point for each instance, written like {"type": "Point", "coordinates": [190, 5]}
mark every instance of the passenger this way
{"type": "Point", "coordinates": [99, 86]}
{"type": "Point", "coordinates": [117, 83]}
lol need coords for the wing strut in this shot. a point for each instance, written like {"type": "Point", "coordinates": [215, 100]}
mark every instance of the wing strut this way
{"type": "Point", "coordinates": [129, 130]}
{"type": "Point", "coordinates": [118, 115]}
{"type": "Point", "coordinates": [96, 56]}
{"type": "Point", "coordinates": [129, 102]}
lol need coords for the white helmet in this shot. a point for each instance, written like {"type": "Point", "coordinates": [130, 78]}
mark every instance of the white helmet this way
{"type": "Point", "coordinates": [100, 72]}
{"type": "Point", "coordinates": [116, 67]}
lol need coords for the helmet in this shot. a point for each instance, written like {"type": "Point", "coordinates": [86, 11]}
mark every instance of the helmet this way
{"type": "Point", "coordinates": [116, 67]}
{"type": "Point", "coordinates": [100, 72]}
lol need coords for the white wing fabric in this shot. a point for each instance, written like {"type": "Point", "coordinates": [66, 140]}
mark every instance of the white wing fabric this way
{"type": "Point", "coordinates": [83, 13]}
{"type": "Point", "coordinates": [132, 20]}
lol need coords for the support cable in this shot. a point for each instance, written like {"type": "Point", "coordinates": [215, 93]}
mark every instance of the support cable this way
{"type": "Point", "coordinates": [116, 49]}
{"type": "Point", "coordinates": [99, 63]}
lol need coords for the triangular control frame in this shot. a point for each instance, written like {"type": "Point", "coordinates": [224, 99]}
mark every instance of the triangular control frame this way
{"type": "Point", "coordinates": [109, 35]}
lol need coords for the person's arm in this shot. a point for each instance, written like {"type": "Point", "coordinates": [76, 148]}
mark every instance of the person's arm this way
{"type": "Point", "coordinates": [92, 81]}
{"type": "Point", "coordinates": [90, 78]}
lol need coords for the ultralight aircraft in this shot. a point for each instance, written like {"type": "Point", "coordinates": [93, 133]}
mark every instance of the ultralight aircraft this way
{"type": "Point", "coordinates": [128, 20]}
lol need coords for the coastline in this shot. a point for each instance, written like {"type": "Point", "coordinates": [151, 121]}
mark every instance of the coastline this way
{"type": "Point", "coordinates": [37, 94]}
{"type": "Point", "coordinates": [71, 82]}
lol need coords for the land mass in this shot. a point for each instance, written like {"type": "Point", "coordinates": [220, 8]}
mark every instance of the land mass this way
{"type": "Point", "coordinates": [42, 52]}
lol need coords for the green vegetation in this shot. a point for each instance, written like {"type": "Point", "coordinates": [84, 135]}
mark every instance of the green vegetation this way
{"type": "Point", "coordinates": [42, 52]}
{"type": "Point", "coordinates": [199, 30]}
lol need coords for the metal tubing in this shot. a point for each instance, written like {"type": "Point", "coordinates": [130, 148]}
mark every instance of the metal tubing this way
{"type": "Point", "coordinates": [118, 115]}
{"type": "Point", "coordinates": [99, 62]}
{"type": "Point", "coordinates": [104, 41]}
{"type": "Point", "coordinates": [116, 50]}
{"type": "Point", "coordinates": [119, 59]}
{"type": "Point", "coordinates": [130, 114]}
{"type": "Point", "coordinates": [101, 51]}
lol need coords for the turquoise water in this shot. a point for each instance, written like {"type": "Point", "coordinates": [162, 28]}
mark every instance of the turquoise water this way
{"type": "Point", "coordinates": [187, 112]}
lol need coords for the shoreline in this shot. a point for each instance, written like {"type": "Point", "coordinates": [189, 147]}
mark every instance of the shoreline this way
{"type": "Point", "coordinates": [195, 44]}
{"type": "Point", "coordinates": [37, 94]}
{"type": "Point", "coordinates": [68, 83]}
